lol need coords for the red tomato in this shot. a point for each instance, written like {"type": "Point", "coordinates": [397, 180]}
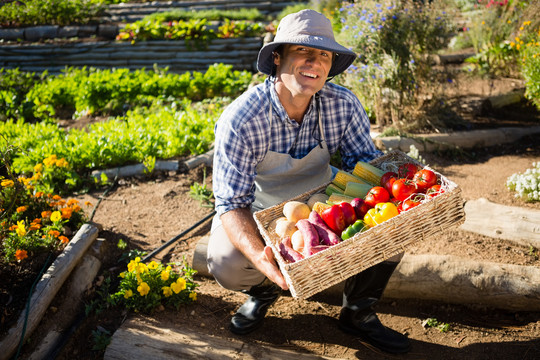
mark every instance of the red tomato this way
{"type": "Point", "coordinates": [407, 170]}
{"type": "Point", "coordinates": [388, 179]}
{"type": "Point", "coordinates": [348, 212]}
{"type": "Point", "coordinates": [425, 179]}
{"type": "Point", "coordinates": [410, 203]}
{"type": "Point", "coordinates": [403, 188]}
{"type": "Point", "coordinates": [434, 191]}
{"type": "Point", "coordinates": [376, 195]}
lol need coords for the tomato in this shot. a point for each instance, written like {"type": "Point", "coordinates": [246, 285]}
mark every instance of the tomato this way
{"type": "Point", "coordinates": [434, 190]}
{"type": "Point", "coordinates": [403, 188]}
{"type": "Point", "coordinates": [360, 207]}
{"type": "Point", "coordinates": [410, 203]}
{"type": "Point", "coordinates": [375, 195]}
{"type": "Point", "coordinates": [425, 179]}
{"type": "Point", "coordinates": [388, 179]}
{"type": "Point", "coordinates": [407, 170]}
{"type": "Point", "coordinates": [348, 212]}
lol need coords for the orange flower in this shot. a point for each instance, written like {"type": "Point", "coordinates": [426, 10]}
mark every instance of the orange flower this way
{"type": "Point", "coordinates": [12, 227]}
{"type": "Point", "coordinates": [66, 213]}
{"type": "Point", "coordinates": [61, 202]}
{"type": "Point", "coordinates": [21, 209]}
{"type": "Point", "coordinates": [76, 208]}
{"type": "Point", "coordinates": [37, 221]}
{"type": "Point", "coordinates": [57, 197]}
{"type": "Point", "coordinates": [34, 226]}
{"type": "Point", "coordinates": [72, 201]}
{"type": "Point", "coordinates": [21, 254]}
{"type": "Point", "coordinates": [63, 239]}
{"type": "Point", "coordinates": [54, 233]}
{"type": "Point", "coordinates": [88, 203]}
{"type": "Point", "coordinates": [39, 194]}
{"type": "Point", "coordinates": [46, 214]}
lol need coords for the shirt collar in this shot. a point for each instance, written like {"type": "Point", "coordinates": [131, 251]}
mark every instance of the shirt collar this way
{"type": "Point", "coordinates": [280, 110]}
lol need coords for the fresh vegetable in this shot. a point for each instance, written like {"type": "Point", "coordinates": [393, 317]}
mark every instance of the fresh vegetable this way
{"type": "Point", "coordinates": [297, 241]}
{"type": "Point", "coordinates": [360, 207]}
{"type": "Point", "coordinates": [336, 199]}
{"type": "Point", "coordinates": [342, 178]}
{"type": "Point", "coordinates": [403, 188]}
{"type": "Point", "coordinates": [410, 203]}
{"type": "Point", "coordinates": [425, 179]}
{"type": "Point", "coordinates": [376, 194]}
{"type": "Point", "coordinates": [434, 191]}
{"type": "Point", "coordinates": [326, 235]}
{"type": "Point", "coordinates": [368, 172]}
{"type": "Point", "coordinates": [333, 189]}
{"type": "Point", "coordinates": [380, 213]}
{"type": "Point", "coordinates": [348, 212]}
{"type": "Point", "coordinates": [319, 207]}
{"type": "Point", "coordinates": [353, 229]}
{"type": "Point", "coordinates": [285, 227]}
{"type": "Point", "coordinates": [334, 218]}
{"type": "Point", "coordinates": [357, 190]}
{"type": "Point", "coordinates": [388, 179]}
{"type": "Point", "coordinates": [296, 210]}
{"type": "Point", "coordinates": [287, 252]}
{"type": "Point", "coordinates": [318, 197]}
{"type": "Point", "coordinates": [311, 237]}
{"type": "Point", "coordinates": [407, 170]}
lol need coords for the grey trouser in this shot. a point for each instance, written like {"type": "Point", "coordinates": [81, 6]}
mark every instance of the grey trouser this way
{"type": "Point", "coordinates": [228, 265]}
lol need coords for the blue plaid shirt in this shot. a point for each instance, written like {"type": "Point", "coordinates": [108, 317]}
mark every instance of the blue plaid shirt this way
{"type": "Point", "coordinates": [243, 137]}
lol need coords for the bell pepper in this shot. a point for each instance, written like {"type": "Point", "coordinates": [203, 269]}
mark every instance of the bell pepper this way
{"type": "Point", "coordinates": [334, 218]}
{"type": "Point", "coordinates": [353, 229]}
{"type": "Point", "coordinates": [380, 213]}
{"type": "Point", "coordinates": [348, 212]}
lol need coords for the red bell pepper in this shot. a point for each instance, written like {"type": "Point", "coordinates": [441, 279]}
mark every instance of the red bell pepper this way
{"type": "Point", "coordinates": [334, 218]}
{"type": "Point", "coordinates": [348, 212]}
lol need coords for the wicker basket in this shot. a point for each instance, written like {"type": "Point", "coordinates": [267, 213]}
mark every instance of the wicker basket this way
{"type": "Point", "coordinates": [337, 263]}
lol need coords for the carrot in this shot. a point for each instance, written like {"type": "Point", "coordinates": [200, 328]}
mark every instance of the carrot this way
{"type": "Point", "coordinates": [326, 235]}
{"type": "Point", "coordinates": [311, 237]}
{"type": "Point", "coordinates": [288, 253]}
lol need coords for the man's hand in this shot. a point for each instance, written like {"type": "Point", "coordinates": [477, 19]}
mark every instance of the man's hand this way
{"type": "Point", "coordinates": [244, 235]}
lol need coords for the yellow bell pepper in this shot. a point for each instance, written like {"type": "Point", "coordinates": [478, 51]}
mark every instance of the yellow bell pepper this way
{"type": "Point", "coordinates": [380, 213]}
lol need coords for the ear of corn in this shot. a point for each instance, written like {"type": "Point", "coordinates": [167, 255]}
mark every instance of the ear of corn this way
{"type": "Point", "coordinates": [332, 188]}
{"type": "Point", "coordinates": [337, 198]}
{"type": "Point", "coordinates": [343, 177]}
{"type": "Point", "coordinates": [320, 206]}
{"type": "Point", "coordinates": [368, 172]}
{"type": "Point", "coordinates": [357, 190]}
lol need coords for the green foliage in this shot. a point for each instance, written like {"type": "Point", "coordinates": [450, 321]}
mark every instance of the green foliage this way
{"type": "Point", "coordinates": [49, 12]}
{"type": "Point", "coordinates": [252, 14]}
{"type": "Point", "coordinates": [434, 323]}
{"type": "Point", "coordinates": [392, 39]}
{"type": "Point", "coordinates": [14, 85]}
{"type": "Point", "coordinates": [529, 50]}
{"type": "Point", "coordinates": [91, 92]}
{"type": "Point", "coordinates": [494, 61]}
{"type": "Point", "coordinates": [146, 287]}
{"type": "Point", "coordinates": [201, 193]}
{"type": "Point", "coordinates": [101, 338]}
{"type": "Point", "coordinates": [527, 184]}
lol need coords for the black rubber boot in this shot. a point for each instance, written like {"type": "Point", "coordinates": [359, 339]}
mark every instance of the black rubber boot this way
{"type": "Point", "coordinates": [358, 318]}
{"type": "Point", "coordinates": [251, 314]}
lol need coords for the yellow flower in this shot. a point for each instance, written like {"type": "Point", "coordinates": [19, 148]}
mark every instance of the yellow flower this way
{"type": "Point", "coordinates": [128, 294]}
{"type": "Point", "coordinates": [143, 289]}
{"type": "Point", "coordinates": [165, 275]}
{"type": "Point", "coordinates": [88, 203]}
{"type": "Point", "coordinates": [122, 274]}
{"type": "Point", "coordinates": [179, 285]}
{"type": "Point", "coordinates": [131, 266]}
{"type": "Point", "coordinates": [21, 254]}
{"type": "Point", "coordinates": [62, 163]}
{"type": "Point", "coordinates": [51, 160]}
{"type": "Point", "coordinates": [166, 291]}
{"type": "Point", "coordinates": [56, 216]}
{"type": "Point", "coordinates": [20, 230]}
{"type": "Point", "coordinates": [141, 268]}
{"type": "Point", "coordinates": [7, 183]}
{"type": "Point", "coordinates": [38, 168]}
{"type": "Point", "coordinates": [193, 296]}
{"type": "Point", "coordinates": [21, 209]}
{"type": "Point", "coordinates": [153, 265]}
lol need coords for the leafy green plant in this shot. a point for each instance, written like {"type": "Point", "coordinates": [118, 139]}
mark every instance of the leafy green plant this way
{"type": "Point", "coordinates": [101, 338]}
{"type": "Point", "coordinates": [201, 193]}
{"type": "Point", "coordinates": [526, 184]}
{"type": "Point", "coordinates": [252, 14]}
{"type": "Point", "coordinates": [146, 287]}
{"type": "Point", "coordinates": [392, 39]}
{"type": "Point", "coordinates": [527, 42]}
{"type": "Point", "coordinates": [434, 323]}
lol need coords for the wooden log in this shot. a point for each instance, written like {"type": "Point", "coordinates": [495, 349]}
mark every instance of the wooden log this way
{"type": "Point", "coordinates": [146, 341]}
{"type": "Point", "coordinates": [516, 224]}
{"type": "Point", "coordinates": [502, 100]}
{"type": "Point", "coordinates": [452, 279]}
{"type": "Point", "coordinates": [48, 286]}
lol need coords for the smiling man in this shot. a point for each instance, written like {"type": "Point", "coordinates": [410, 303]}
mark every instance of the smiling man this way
{"type": "Point", "coordinates": [275, 142]}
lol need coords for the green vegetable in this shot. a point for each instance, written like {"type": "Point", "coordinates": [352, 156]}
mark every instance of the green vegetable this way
{"type": "Point", "coordinates": [353, 229]}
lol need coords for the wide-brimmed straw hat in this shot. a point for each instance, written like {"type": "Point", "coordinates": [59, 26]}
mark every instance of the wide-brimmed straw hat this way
{"type": "Point", "coordinates": [309, 28]}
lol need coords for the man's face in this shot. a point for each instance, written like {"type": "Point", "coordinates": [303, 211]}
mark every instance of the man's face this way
{"type": "Point", "coordinates": [302, 69]}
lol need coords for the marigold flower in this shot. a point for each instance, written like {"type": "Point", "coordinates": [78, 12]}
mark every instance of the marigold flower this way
{"type": "Point", "coordinates": [193, 296]}
{"type": "Point", "coordinates": [76, 208]}
{"type": "Point", "coordinates": [56, 216]}
{"type": "Point", "coordinates": [143, 289]}
{"type": "Point", "coordinates": [61, 202]}
{"type": "Point", "coordinates": [57, 197]}
{"type": "Point", "coordinates": [179, 285]}
{"type": "Point", "coordinates": [21, 209]}
{"type": "Point", "coordinates": [20, 230]}
{"type": "Point", "coordinates": [54, 233]}
{"type": "Point", "coordinates": [166, 291]}
{"type": "Point", "coordinates": [63, 239]}
{"type": "Point", "coordinates": [66, 213]}
{"type": "Point", "coordinates": [128, 294]}
{"type": "Point", "coordinates": [88, 203]}
{"type": "Point", "coordinates": [49, 161]}
{"type": "Point", "coordinates": [21, 254]}
{"type": "Point", "coordinates": [72, 201]}
{"type": "Point", "coordinates": [39, 194]}
{"type": "Point", "coordinates": [46, 214]}
{"type": "Point", "coordinates": [122, 274]}
{"type": "Point", "coordinates": [62, 163]}
{"type": "Point", "coordinates": [7, 183]}
{"type": "Point", "coordinates": [34, 226]}
{"type": "Point", "coordinates": [38, 168]}
{"type": "Point", "coordinates": [12, 227]}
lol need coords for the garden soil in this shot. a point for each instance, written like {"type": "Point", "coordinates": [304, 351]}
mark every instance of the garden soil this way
{"type": "Point", "coordinates": [148, 211]}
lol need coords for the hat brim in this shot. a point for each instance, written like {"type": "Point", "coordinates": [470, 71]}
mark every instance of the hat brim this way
{"type": "Point", "coordinates": [342, 61]}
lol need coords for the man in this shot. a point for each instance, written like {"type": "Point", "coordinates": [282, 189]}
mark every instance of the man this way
{"type": "Point", "coordinates": [275, 142]}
